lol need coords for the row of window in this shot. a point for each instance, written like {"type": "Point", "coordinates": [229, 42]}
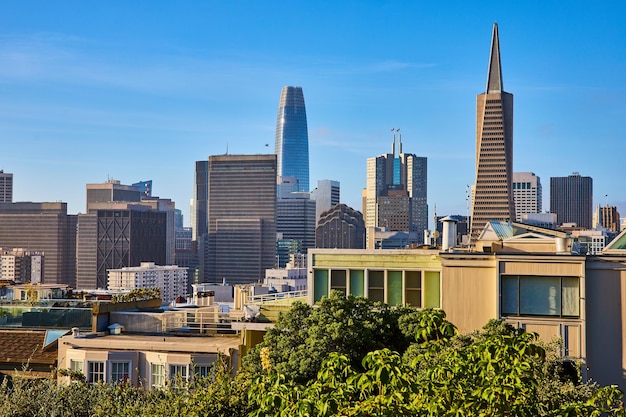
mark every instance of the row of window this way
{"type": "Point", "coordinates": [120, 371]}
{"type": "Point", "coordinates": [394, 287]}
{"type": "Point", "coordinates": [540, 296]}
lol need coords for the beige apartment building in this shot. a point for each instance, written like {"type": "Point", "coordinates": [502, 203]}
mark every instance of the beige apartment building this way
{"type": "Point", "coordinates": [531, 277]}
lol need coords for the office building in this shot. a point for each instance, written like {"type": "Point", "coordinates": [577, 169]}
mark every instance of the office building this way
{"type": "Point", "coordinates": [44, 228]}
{"type": "Point", "coordinates": [340, 227]}
{"type": "Point", "coordinates": [571, 199]}
{"type": "Point", "coordinates": [295, 221]}
{"type": "Point", "coordinates": [6, 187]}
{"type": "Point", "coordinates": [110, 192]}
{"type": "Point", "coordinates": [120, 236]}
{"type": "Point", "coordinates": [326, 196]}
{"type": "Point", "coordinates": [113, 195]}
{"type": "Point", "coordinates": [607, 217]}
{"type": "Point", "coordinates": [241, 210]}
{"type": "Point", "coordinates": [492, 196]}
{"type": "Point", "coordinates": [396, 193]}
{"type": "Point", "coordinates": [199, 202]}
{"type": "Point", "coordinates": [292, 137]}
{"type": "Point", "coordinates": [170, 279]}
{"type": "Point", "coordinates": [527, 194]}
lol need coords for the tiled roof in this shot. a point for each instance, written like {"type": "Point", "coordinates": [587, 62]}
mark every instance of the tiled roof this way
{"type": "Point", "coordinates": [25, 346]}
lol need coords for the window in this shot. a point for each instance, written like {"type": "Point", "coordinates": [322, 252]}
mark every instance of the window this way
{"type": "Point", "coordinates": [338, 281]}
{"type": "Point", "coordinates": [203, 371]}
{"type": "Point", "coordinates": [540, 296]}
{"type": "Point", "coordinates": [178, 371]}
{"type": "Point", "coordinates": [95, 372]}
{"type": "Point", "coordinates": [376, 286]}
{"type": "Point", "coordinates": [77, 366]}
{"type": "Point", "coordinates": [321, 284]}
{"type": "Point", "coordinates": [120, 372]}
{"type": "Point", "coordinates": [157, 375]}
{"type": "Point", "coordinates": [413, 288]}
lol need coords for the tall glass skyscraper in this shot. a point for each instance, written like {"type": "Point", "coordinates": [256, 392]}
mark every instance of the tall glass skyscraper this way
{"type": "Point", "coordinates": [292, 137]}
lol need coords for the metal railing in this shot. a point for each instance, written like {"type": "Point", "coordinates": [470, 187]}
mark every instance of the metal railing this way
{"type": "Point", "coordinates": [276, 297]}
{"type": "Point", "coordinates": [203, 322]}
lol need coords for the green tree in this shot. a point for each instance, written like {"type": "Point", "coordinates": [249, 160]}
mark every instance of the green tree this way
{"type": "Point", "coordinates": [304, 336]}
{"type": "Point", "coordinates": [497, 372]}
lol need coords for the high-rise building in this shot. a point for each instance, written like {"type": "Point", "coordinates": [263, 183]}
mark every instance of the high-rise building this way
{"type": "Point", "coordinates": [340, 227]}
{"type": "Point", "coordinates": [120, 236]}
{"type": "Point", "coordinates": [199, 222]}
{"type": "Point", "coordinates": [396, 193]}
{"type": "Point", "coordinates": [113, 195]}
{"type": "Point", "coordinates": [6, 187]}
{"type": "Point", "coordinates": [110, 192]}
{"type": "Point", "coordinates": [21, 266]}
{"type": "Point", "coordinates": [326, 196]}
{"type": "Point", "coordinates": [492, 196]}
{"type": "Point", "coordinates": [571, 199]}
{"type": "Point", "coordinates": [241, 218]}
{"type": "Point", "coordinates": [527, 194]}
{"type": "Point", "coordinates": [607, 217]}
{"type": "Point", "coordinates": [295, 222]}
{"type": "Point", "coordinates": [292, 137]}
{"type": "Point", "coordinates": [44, 228]}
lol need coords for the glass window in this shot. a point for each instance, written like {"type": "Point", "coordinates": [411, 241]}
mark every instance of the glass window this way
{"type": "Point", "coordinates": [178, 373]}
{"type": "Point", "coordinates": [376, 286]}
{"type": "Point", "coordinates": [203, 371]}
{"type": "Point", "coordinates": [157, 375]}
{"type": "Point", "coordinates": [540, 296]}
{"type": "Point", "coordinates": [120, 372]}
{"type": "Point", "coordinates": [338, 281]}
{"type": "Point", "coordinates": [570, 297]}
{"type": "Point", "coordinates": [77, 366]}
{"type": "Point", "coordinates": [357, 283]}
{"type": "Point", "coordinates": [394, 288]}
{"type": "Point", "coordinates": [432, 291]}
{"type": "Point", "coordinates": [413, 288]}
{"type": "Point", "coordinates": [95, 372]}
{"type": "Point", "coordinates": [321, 284]}
{"type": "Point", "coordinates": [510, 295]}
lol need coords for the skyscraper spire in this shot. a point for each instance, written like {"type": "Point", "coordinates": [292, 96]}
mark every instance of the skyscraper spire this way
{"type": "Point", "coordinates": [494, 74]}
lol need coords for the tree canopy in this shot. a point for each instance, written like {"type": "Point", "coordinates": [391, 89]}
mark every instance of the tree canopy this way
{"type": "Point", "coordinates": [352, 357]}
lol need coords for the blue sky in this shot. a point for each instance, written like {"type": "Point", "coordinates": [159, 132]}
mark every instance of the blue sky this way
{"type": "Point", "coordinates": [140, 90]}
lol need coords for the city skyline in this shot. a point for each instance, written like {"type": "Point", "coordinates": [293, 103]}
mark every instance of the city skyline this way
{"type": "Point", "coordinates": [101, 93]}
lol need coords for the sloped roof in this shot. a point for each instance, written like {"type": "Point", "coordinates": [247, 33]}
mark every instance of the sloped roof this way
{"type": "Point", "coordinates": [617, 245]}
{"type": "Point", "coordinates": [26, 346]}
{"type": "Point", "coordinates": [496, 230]}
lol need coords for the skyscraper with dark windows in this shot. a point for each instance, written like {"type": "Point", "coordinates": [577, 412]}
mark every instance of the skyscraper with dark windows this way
{"type": "Point", "coordinates": [241, 214]}
{"type": "Point", "coordinates": [571, 199]}
{"type": "Point", "coordinates": [6, 187]}
{"type": "Point", "coordinates": [492, 195]}
{"type": "Point", "coordinates": [292, 138]}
